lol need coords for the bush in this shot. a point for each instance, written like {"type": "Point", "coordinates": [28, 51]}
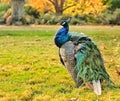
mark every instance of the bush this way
{"type": "Point", "coordinates": [110, 17]}
{"type": "Point", "coordinates": [3, 8]}
{"type": "Point", "coordinates": [54, 19]}
{"type": "Point", "coordinates": [28, 20]}
{"type": "Point", "coordinates": [115, 19]}
{"type": "Point", "coordinates": [49, 18]}
{"type": "Point", "coordinates": [77, 20]}
{"type": "Point", "coordinates": [32, 12]}
{"type": "Point", "coordinates": [7, 13]}
{"type": "Point", "coordinates": [114, 4]}
{"type": "Point", "coordinates": [31, 15]}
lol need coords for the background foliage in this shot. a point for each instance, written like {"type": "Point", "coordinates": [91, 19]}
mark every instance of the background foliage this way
{"type": "Point", "coordinates": [3, 9]}
{"type": "Point", "coordinates": [82, 11]}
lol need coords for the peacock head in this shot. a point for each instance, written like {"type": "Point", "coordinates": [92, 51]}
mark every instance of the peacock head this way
{"type": "Point", "coordinates": [64, 23]}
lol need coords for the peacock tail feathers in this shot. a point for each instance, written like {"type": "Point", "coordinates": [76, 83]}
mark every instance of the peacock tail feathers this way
{"type": "Point", "coordinates": [89, 61]}
{"type": "Point", "coordinates": [97, 87]}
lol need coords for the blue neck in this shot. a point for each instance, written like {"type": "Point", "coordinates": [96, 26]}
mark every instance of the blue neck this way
{"type": "Point", "coordinates": [62, 35]}
{"type": "Point", "coordinates": [66, 26]}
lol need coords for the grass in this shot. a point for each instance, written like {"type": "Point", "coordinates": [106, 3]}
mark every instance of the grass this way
{"type": "Point", "coordinates": [30, 69]}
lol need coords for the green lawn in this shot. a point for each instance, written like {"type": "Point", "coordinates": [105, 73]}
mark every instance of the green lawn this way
{"type": "Point", "coordinates": [30, 69]}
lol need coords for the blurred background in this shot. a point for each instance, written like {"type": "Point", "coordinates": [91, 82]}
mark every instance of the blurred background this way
{"type": "Point", "coordinates": [25, 12]}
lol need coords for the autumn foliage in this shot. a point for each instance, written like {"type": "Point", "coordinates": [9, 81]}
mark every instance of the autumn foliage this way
{"type": "Point", "coordinates": [6, 1]}
{"type": "Point", "coordinates": [71, 7]}
{"type": "Point", "coordinates": [86, 7]}
{"type": "Point", "coordinates": [82, 11]}
{"type": "Point", "coordinates": [41, 5]}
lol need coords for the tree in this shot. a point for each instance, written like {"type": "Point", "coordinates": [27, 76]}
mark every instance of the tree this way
{"type": "Point", "coordinates": [59, 5]}
{"type": "Point", "coordinates": [56, 6]}
{"type": "Point", "coordinates": [17, 11]}
{"type": "Point", "coordinates": [71, 7]}
{"type": "Point", "coordinates": [114, 4]}
{"type": "Point", "coordinates": [17, 7]}
{"type": "Point", "coordinates": [6, 1]}
{"type": "Point", "coordinates": [86, 7]}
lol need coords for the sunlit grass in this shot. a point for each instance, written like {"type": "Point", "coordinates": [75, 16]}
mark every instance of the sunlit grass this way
{"type": "Point", "coordinates": [30, 69]}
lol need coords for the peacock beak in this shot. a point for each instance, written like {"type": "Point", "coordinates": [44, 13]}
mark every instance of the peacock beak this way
{"type": "Point", "coordinates": [58, 23]}
{"type": "Point", "coordinates": [69, 19]}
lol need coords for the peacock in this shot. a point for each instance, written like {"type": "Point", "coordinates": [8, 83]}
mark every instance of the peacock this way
{"type": "Point", "coordinates": [82, 58]}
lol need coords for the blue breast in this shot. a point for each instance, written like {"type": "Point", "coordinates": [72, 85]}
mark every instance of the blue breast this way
{"type": "Point", "coordinates": [61, 36]}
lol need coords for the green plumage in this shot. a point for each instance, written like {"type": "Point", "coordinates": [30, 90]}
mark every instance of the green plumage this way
{"type": "Point", "coordinates": [89, 61]}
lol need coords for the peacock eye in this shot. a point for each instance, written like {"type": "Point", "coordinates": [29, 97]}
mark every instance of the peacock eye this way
{"type": "Point", "coordinates": [63, 23]}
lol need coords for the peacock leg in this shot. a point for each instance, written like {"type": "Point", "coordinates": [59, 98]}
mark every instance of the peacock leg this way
{"type": "Point", "coordinates": [89, 85]}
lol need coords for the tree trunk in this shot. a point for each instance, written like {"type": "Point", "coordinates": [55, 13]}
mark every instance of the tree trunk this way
{"type": "Point", "coordinates": [17, 11]}
{"type": "Point", "coordinates": [59, 10]}
{"type": "Point", "coordinates": [58, 5]}
{"type": "Point", "coordinates": [67, 53]}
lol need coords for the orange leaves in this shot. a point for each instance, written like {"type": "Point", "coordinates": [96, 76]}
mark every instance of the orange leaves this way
{"type": "Point", "coordinates": [37, 4]}
{"type": "Point", "coordinates": [6, 1]}
{"type": "Point", "coordinates": [86, 7]}
{"type": "Point", "coordinates": [71, 7]}
{"type": "Point", "coordinates": [41, 5]}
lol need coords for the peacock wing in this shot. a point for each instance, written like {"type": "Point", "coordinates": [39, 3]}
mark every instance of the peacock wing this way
{"type": "Point", "coordinates": [67, 55]}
